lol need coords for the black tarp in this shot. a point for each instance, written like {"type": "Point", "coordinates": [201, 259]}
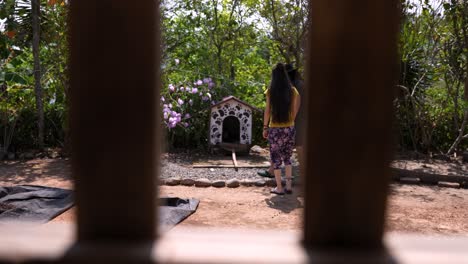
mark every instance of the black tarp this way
{"type": "Point", "coordinates": [173, 210]}
{"type": "Point", "coordinates": [41, 204]}
{"type": "Point", "coordinates": [33, 203]}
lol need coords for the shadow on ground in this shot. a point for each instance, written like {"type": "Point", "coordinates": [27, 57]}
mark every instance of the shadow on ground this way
{"type": "Point", "coordinates": [36, 171]}
{"type": "Point", "coordinates": [285, 203]}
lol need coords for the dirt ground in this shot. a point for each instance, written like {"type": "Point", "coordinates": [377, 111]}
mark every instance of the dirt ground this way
{"type": "Point", "coordinates": [412, 208]}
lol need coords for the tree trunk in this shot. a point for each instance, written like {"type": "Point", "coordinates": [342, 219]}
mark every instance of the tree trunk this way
{"type": "Point", "coordinates": [35, 7]}
{"type": "Point", "coordinates": [466, 80]}
{"type": "Point", "coordinates": [460, 136]}
{"type": "Point", "coordinates": [67, 130]}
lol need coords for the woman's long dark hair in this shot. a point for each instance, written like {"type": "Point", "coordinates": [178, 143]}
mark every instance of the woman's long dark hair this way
{"type": "Point", "coordinates": [280, 94]}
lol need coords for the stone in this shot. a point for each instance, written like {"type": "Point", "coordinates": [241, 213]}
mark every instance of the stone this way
{"type": "Point", "coordinates": [54, 155]}
{"type": "Point", "coordinates": [173, 181]}
{"type": "Point", "coordinates": [11, 156]}
{"type": "Point", "coordinates": [29, 155]}
{"type": "Point", "coordinates": [187, 182]}
{"type": "Point", "coordinates": [270, 183]}
{"type": "Point", "coordinates": [247, 182]}
{"type": "Point", "coordinates": [260, 183]}
{"type": "Point", "coordinates": [410, 180]}
{"type": "Point", "coordinates": [219, 184]}
{"type": "Point", "coordinates": [161, 182]}
{"type": "Point", "coordinates": [40, 155]}
{"type": "Point", "coordinates": [233, 183]}
{"type": "Point", "coordinates": [449, 184]}
{"type": "Point", "coordinates": [257, 149]}
{"type": "Point", "coordinates": [441, 157]}
{"type": "Point", "coordinates": [464, 184]}
{"type": "Point", "coordinates": [465, 156]}
{"type": "Point", "coordinates": [203, 182]}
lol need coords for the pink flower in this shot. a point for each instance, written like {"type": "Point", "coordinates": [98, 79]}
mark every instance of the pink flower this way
{"type": "Point", "coordinates": [172, 122]}
{"type": "Point", "coordinates": [171, 87]}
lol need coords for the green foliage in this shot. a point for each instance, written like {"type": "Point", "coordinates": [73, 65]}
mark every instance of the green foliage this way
{"type": "Point", "coordinates": [430, 106]}
{"type": "Point", "coordinates": [287, 22]}
{"type": "Point", "coordinates": [25, 137]}
{"type": "Point", "coordinates": [17, 104]}
{"type": "Point", "coordinates": [220, 40]}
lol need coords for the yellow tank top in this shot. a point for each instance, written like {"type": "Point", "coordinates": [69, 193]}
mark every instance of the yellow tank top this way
{"type": "Point", "coordinates": [290, 123]}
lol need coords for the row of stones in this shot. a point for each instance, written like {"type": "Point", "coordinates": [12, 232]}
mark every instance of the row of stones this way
{"type": "Point", "coordinates": [203, 182]}
{"type": "Point", "coordinates": [414, 180]}
{"type": "Point", "coordinates": [234, 183]}
{"type": "Point", "coordinates": [29, 155]}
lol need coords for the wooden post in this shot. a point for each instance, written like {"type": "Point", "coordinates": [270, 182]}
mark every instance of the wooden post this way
{"type": "Point", "coordinates": [351, 70]}
{"type": "Point", "coordinates": [234, 159]}
{"type": "Point", "coordinates": [114, 119]}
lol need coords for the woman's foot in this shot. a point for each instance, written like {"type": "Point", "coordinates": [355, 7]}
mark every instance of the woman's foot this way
{"type": "Point", "coordinates": [276, 191]}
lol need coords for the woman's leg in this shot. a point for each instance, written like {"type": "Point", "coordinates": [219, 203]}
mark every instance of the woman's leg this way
{"type": "Point", "coordinates": [288, 169]}
{"type": "Point", "coordinates": [279, 186]}
{"type": "Point", "coordinates": [287, 153]}
{"type": "Point", "coordinates": [275, 155]}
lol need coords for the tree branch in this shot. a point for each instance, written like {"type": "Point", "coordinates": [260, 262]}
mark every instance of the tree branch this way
{"type": "Point", "coordinates": [276, 31]}
{"type": "Point", "coordinates": [460, 134]}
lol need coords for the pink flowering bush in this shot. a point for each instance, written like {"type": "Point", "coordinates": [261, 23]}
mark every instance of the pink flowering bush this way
{"type": "Point", "coordinates": [185, 111]}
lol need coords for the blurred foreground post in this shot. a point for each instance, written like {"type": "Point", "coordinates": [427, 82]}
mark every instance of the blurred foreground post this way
{"type": "Point", "coordinates": [114, 72]}
{"type": "Point", "coordinates": [351, 70]}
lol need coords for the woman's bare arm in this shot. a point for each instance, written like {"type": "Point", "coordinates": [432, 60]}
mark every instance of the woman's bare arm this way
{"type": "Point", "coordinates": [266, 114]}
{"type": "Point", "coordinates": [266, 117]}
{"type": "Point", "coordinates": [296, 105]}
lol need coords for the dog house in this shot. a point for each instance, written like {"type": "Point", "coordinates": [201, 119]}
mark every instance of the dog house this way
{"type": "Point", "coordinates": [231, 124]}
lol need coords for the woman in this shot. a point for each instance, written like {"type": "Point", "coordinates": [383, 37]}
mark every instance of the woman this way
{"type": "Point", "coordinates": [299, 123]}
{"type": "Point", "coordinates": [282, 105]}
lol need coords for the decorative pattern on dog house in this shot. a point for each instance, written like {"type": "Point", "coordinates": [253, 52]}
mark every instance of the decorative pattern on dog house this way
{"type": "Point", "coordinates": [231, 122]}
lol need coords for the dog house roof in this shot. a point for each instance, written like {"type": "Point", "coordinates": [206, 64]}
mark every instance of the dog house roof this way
{"type": "Point", "coordinates": [225, 99]}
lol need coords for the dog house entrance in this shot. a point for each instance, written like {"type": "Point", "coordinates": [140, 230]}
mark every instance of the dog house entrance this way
{"type": "Point", "coordinates": [231, 130]}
